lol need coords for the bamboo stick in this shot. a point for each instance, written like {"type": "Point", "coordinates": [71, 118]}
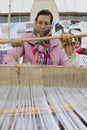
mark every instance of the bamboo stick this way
{"type": "Point", "coordinates": [9, 19]}
{"type": "Point", "coordinates": [34, 110]}
{"type": "Point", "coordinates": [19, 41]}
{"type": "Point", "coordinates": [31, 110]}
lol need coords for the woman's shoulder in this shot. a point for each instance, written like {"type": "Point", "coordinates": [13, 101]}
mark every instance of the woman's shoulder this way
{"type": "Point", "coordinates": [28, 35]}
{"type": "Point", "coordinates": [55, 42]}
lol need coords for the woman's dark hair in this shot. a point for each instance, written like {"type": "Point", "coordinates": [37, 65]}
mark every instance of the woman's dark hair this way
{"type": "Point", "coordinates": [44, 12]}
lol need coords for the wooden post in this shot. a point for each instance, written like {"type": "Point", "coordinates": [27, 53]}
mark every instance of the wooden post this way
{"type": "Point", "coordinates": [9, 19]}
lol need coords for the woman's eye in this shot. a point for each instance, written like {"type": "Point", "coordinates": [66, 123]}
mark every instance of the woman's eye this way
{"type": "Point", "coordinates": [46, 24]}
{"type": "Point", "coordinates": [39, 22]}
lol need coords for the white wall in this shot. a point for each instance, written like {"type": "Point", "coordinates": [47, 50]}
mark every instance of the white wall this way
{"type": "Point", "coordinates": [72, 5]}
{"type": "Point", "coordinates": [16, 6]}
{"type": "Point", "coordinates": [26, 5]}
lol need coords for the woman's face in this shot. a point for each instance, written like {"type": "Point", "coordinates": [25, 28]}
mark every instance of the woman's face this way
{"type": "Point", "coordinates": [43, 23]}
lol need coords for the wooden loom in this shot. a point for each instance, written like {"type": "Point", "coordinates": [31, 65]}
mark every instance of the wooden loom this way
{"type": "Point", "coordinates": [23, 78]}
{"type": "Point", "coordinates": [54, 95]}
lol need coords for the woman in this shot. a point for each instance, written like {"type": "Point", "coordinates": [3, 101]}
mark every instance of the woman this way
{"type": "Point", "coordinates": [46, 52]}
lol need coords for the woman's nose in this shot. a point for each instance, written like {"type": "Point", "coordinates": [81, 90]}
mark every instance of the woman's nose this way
{"type": "Point", "coordinates": [43, 25]}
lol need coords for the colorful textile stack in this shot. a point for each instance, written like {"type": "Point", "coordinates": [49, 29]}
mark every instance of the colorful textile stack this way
{"type": "Point", "coordinates": [3, 50]}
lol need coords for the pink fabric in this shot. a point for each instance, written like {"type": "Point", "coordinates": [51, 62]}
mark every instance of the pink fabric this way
{"type": "Point", "coordinates": [57, 54]}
